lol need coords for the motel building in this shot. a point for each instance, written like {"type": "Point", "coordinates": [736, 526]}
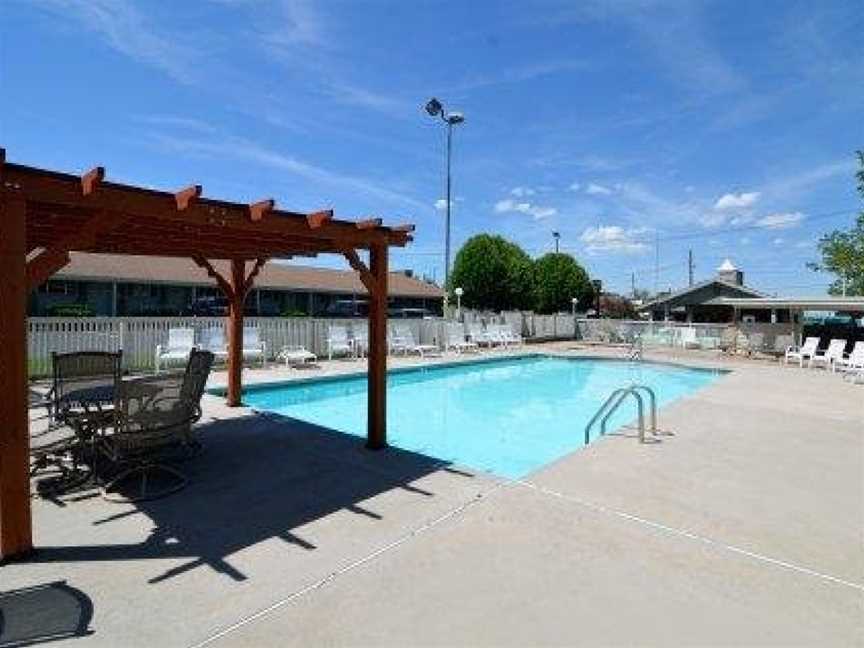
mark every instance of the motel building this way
{"type": "Point", "coordinates": [725, 298]}
{"type": "Point", "coordinates": [96, 285]}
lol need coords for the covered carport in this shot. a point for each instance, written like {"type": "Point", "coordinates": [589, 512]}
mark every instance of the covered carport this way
{"type": "Point", "coordinates": [45, 215]}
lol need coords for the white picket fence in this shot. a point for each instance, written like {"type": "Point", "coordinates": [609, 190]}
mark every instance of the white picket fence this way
{"type": "Point", "coordinates": [138, 336]}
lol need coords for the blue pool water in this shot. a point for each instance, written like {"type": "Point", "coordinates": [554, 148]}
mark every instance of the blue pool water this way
{"type": "Point", "coordinates": [508, 416]}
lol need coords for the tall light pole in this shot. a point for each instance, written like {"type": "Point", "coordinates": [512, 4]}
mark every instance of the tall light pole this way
{"type": "Point", "coordinates": [459, 292]}
{"type": "Point", "coordinates": [556, 236]}
{"type": "Point", "coordinates": [435, 108]}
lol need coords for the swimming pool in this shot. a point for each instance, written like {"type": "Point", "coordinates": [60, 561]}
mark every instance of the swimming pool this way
{"type": "Point", "coordinates": [508, 416]}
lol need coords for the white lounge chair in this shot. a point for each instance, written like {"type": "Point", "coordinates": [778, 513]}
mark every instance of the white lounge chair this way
{"type": "Point", "coordinates": [852, 360]}
{"type": "Point", "coordinates": [297, 356]}
{"type": "Point", "coordinates": [455, 335]}
{"type": "Point", "coordinates": [359, 340]}
{"type": "Point", "coordinates": [181, 341]}
{"type": "Point", "coordinates": [481, 337]}
{"type": "Point", "coordinates": [805, 351]}
{"type": "Point", "coordinates": [253, 345]}
{"type": "Point", "coordinates": [337, 341]}
{"type": "Point", "coordinates": [404, 333]}
{"type": "Point", "coordinates": [832, 355]}
{"type": "Point", "coordinates": [213, 340]}
{"type": "Point", "coordinates": [508, 336]}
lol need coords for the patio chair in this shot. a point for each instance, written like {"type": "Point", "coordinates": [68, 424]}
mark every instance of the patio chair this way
{"type": "Point", "coordinates": [832, 355]}
{"type": "Point", "coordinates": [455, 336]}
{"type": "Point", "coordinates": [253, 345]}
{"type": "Point", "coordinates": [213, 340]}
{"type": "Point", "coordinates": [806, 350]}
{"type": "Point", "coordinates": [359, 340]}
{"type": "Point", "coordinates": [297, 356]}
{"type": "Point", "coordinates": [403, 332]}
{"type": "Point", "coordinates": [752, 344]}
{"type": "Point", "coordinates": [480, 336]}
{"type": "Point", "coordinates": [153, 416]}
{"type": "Point", "coordinates": [852, 361]}
{"type": "Point", "coordinates": [78, 403]}
{"type": "Point", "coordinates": [337, 341]}
{"type": "Point", "coordinates": [508, 336]}
{"type": "Point", "coordinates": [181, 341]}
{"type": "Point", "coordinates": [728, 340]}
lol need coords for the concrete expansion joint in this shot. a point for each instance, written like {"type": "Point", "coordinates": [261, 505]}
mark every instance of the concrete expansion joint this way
{"type": "Point", "coordinates": [351, 566]}
{"type": "Point", "coordinates": [690, 535]}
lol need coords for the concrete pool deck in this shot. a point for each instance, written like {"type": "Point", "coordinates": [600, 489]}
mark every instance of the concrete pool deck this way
{"type": "Point", "coordinates": [742, 527]}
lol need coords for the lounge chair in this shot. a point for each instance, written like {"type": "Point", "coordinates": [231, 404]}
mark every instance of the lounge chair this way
{"type": "Point", "coordinates": [337, 341]}
{"type": "Point", "coordinates": [481, 337]}
{"type": "Point", "coordinates": [506, 335]}
{"type": "Point", "coordinates": [729, 340]}
{"type": "Point", "coordinates": [359, 341]}
{"type": "Point", "coordinates": [831, 356]}
{"type": "Point", "coordinates": [805, 351]}
{"type": "Point", "coordinates": [152, 417]}
{"type": "Point", "coordinates": [455, 335]}
{"type": "Point", "coordinates": [253, 345]}
{"type": "Point", "coordinates": [852, 361]}
{"type": "Point", "coordinates": [213, 340]}
{"type": "Point", "coordinates": [181, 341]}
{"type": "Point", "coordinates": [404, 333]}
{"type": "Point", "coordinates": [297, 356]}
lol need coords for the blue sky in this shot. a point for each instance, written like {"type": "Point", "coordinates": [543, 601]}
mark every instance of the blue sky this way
{"type": "Point", "coordinates": [725, 127]}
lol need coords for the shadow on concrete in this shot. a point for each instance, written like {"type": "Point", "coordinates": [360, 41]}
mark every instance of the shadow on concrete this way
{"type": "Point", "coordinates": [259, 477]}
{"type": "Point", "coordinates": [49, 612]}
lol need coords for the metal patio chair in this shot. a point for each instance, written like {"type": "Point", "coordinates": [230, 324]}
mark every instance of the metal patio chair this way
{"type": "Point", "coordinates": [154, 416]}
{"type": "Point", "coordinates": [79, 404]}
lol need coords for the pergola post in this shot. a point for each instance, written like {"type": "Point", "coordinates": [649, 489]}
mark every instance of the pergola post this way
{"type": "Point", "coordinates": [236, 300]}
{"type": "Point", "coordinates": [16, 532]}
{"type": "Point", "coordinates": [376, 434]}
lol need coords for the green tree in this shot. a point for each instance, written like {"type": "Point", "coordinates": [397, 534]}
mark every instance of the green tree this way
{"type": "Point", "coordinates": [558, 279]}
{"type": "Point", "coordinates": [843, 251]}
{"type": "Point", "coordinates": [494, 274]}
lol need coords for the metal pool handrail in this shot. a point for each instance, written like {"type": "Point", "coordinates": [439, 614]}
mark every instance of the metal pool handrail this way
{"type": "Point", "coordinates": [614, 401]}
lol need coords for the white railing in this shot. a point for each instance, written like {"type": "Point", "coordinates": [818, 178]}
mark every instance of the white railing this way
{"type": "Point", "coordinates": [138, 336]}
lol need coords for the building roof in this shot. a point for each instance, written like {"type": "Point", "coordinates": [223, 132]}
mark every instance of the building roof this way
{"type": "Point", "coordinates": [799, 303]}
{"type": "Point", "coordinates": [744, 290]}
{"type": "Point", "coordinates": [278, 276]}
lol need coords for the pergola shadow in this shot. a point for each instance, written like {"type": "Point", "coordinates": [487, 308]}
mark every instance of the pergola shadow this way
{"type": "Point", "coordinates": [260, 477]}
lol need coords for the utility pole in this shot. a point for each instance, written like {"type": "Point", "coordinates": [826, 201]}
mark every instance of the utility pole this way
{"type": "Point", "coordinates": [656, 262]}
{"type": "Point", "coordinates": [556, 236]}
{"type": "Point", "coordinates": [633, 284]}
{"type": "Point", "coordinates": [690, 266]}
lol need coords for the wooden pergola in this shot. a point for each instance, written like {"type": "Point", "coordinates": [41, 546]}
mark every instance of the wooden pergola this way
{"type": "Point", "coordinates": [45, 215]}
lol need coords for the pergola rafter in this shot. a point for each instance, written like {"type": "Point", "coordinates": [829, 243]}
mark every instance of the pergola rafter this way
{"type": "Point", "coordinates": [45, 215]}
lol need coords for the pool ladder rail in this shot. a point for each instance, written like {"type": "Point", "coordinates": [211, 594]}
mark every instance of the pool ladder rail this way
{"type": "Point", "coordinates": [614, 401]}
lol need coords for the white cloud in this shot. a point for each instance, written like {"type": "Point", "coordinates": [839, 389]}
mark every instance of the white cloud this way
{"type": "Point", "coordinates": [535, 211]}
{"type": "Point", "coordinates": [521, 192]}
{"type": "Point", "coordinates": [778, 241]}
{"type": "Point", "coordinates": [575, 186]}
{"type": "Point", "coordinates": [613, 238]}
{"type": "Point", "coordinates": [246, 150]}
{"type": "Point", "coordinates": [597, 190]}
{"type": "Point", "coordinates": [129, 31]}
{"type": "Point", "coordinates": [441, 204]}
{"type": "Point", "coordinates": [737, 200]}
{"type": "Point", "coordinates": [781, 220]}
